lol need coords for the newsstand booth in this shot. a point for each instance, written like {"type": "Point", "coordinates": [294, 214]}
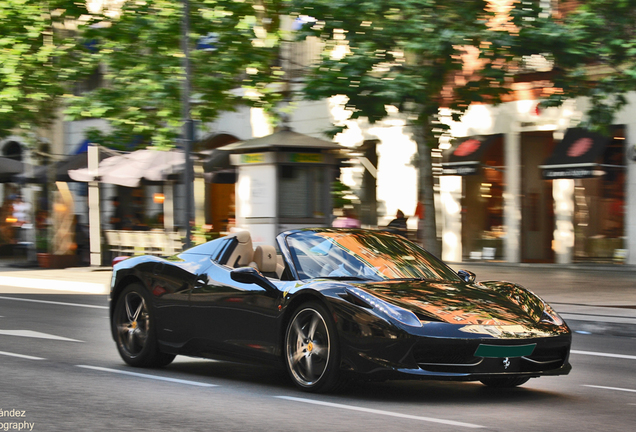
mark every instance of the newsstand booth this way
{"type": "Point", "coordinates": [283, 183]}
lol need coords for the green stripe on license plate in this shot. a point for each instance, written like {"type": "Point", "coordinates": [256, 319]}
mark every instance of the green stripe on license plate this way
{"type": "Point", "coordinates": [496, 351]}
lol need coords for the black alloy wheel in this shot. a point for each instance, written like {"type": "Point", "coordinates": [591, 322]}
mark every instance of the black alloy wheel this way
{"type": "Point", "coordinates": [311, 349]}
{"type": "Point", "coordinates": [134, 327]}
{"type": "Point", "coordinates": [505, 382]}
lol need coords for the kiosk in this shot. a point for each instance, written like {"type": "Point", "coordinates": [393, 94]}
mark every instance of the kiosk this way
{"type": "Point", "coordinates": [283, 182]}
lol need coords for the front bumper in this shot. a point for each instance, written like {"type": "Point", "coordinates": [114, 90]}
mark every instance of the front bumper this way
{"type": "Point", "coordinates": [457, 356]}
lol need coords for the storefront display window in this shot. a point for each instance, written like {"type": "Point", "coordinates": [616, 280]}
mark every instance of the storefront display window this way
{"type": "Point", "coordinates": [482, 208]}
{"type": "Point", "coordinates": [599, 207]}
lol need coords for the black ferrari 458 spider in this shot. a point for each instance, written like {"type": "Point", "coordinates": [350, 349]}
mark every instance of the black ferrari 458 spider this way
{"type": "Point", "coordinates": [333, 305]}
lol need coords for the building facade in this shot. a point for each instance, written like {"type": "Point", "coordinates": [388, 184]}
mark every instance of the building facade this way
{"type": "Point", "coordinates": [530, 198]}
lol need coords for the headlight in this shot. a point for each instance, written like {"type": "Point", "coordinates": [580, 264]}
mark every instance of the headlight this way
{"type": "Point", "coordinates": [550, 316]}
{"type": "Point", "coordinates": [399, 314]}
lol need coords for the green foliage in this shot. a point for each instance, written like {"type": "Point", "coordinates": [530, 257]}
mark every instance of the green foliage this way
{"type": "Point", "coordinates": [36, 60]}
{"type": "Point", "coordinates": [140, 50]}
{"type": "Point", "coordinates": [42, 243]}
{"type": "Point", "coordinates": [339, 192]}
{"type": "Point", "coordinates": [406, 54]}
{"type": "Point", "coordinates": [594, 51]}
{"type": "Point", "coordinates": [399, 53]}
{"type": "Point", "coordinates": [202, 234]}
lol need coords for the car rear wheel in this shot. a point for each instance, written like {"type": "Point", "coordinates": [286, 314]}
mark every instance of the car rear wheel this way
{"type": "Point", "coordinates": [505, 382]}
{"type": "Point", "coordinates": [134, 329]}
{"type": "Point", "coordinates": [311, 349]}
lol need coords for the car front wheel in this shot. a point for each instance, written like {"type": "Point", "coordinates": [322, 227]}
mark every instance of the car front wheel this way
{"type": "Point", "coordinates": [134, 327]}
{"type": "Point", "coordinates": [311, 349]}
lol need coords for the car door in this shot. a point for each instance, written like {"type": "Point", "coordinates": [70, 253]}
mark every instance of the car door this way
{"type": "Point", "coordinates": [233, 318]}
{"type": "Point", "coordinates": [171, 285]}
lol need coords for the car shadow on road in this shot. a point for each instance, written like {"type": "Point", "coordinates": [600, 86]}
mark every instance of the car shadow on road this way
{"type": "Point", "coordinates": [429, 392]}
{"type": "Point", "coordinates": [444, 392]}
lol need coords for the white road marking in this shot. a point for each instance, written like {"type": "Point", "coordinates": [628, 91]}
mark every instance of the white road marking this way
{"type": "Point", "coordinates": [34, 334]}
{"type": "Point", "coordinates": [54, 285]}
{"type": "Point", "coordinates": [598, 354]}
{"type": "Point", "coordinates": [20, 356]}
{"type": "Point", "coordinates": [54, 302]}
{"type": "Point", "coordinates": [381, 412]}
{"type": "Point", "coordinates": [154, 377]}
{"type": "Point", "coordinates": [610, 388]}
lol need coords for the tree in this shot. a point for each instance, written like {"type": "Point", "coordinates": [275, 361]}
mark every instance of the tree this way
{"type": "Point", "coordinates": [233, 58]}
{"type": "Point", "coordinates": [593, 48]}
{"type": "Point", "coordinates": [414, 55]}
{"type": "Point", "coordinates": [422, 55]}
{"type": "Point", "coordinates": [36, 61]}
{"type": "Point", "coordinates": [38, 45]}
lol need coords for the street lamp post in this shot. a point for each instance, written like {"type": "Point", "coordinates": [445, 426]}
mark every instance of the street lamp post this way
{"type": "Point", "coordinates": [187, 125]}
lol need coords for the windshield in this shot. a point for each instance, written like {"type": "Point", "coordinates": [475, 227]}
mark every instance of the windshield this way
{"type": "Point", "coordinates": [363, 255]}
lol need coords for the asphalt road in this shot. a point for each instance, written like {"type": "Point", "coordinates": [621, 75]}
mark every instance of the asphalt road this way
{"type": "Point", "coordinates": [59, 368]}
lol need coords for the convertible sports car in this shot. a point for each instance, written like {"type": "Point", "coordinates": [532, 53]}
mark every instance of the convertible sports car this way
{"type": "Point", "coordinates": [336, 304]}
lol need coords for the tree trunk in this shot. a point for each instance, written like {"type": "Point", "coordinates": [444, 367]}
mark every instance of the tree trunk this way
{"type": "Point", "coordinates": [427, 229]}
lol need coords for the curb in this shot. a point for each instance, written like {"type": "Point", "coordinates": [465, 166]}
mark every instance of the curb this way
{"type": "Point", "coordinates": [582, 267]}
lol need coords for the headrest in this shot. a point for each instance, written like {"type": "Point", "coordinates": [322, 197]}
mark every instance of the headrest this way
{"type": "Point", "coordinates": [243, 253]}
{"type": "Point", "coordinates": [242, 236]}
{"type": "Point", "coordinates": [265, 258]}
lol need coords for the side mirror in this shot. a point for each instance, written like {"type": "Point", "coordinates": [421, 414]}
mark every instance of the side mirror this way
{"type": "Point", "coordinates": [249, 275]}
{"type": "Point", "coordinates": [467, 276]}
{"type": "Point", "coordinates": [201, 281]}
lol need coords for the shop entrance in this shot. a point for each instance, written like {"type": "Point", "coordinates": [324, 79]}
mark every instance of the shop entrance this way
{"type": "Point", "coordinates": [537, 211]}
{"type": "Point", "coordinates": [220, 184]}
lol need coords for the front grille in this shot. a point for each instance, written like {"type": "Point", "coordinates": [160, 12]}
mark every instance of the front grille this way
{"type": "Point", "coordinates": [457, 356]}
{"type": "Point", "coordinates": [548, 354]}
{"type": "Point", "coordinates": [445, 352]}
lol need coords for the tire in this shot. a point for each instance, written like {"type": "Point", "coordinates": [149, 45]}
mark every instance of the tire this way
{"type": "Point", "coordinates": [134, 329]}
{"type": "Point", "coordinates": [505, 382]}
{"type": "Point", "coordinates": [311, 351]}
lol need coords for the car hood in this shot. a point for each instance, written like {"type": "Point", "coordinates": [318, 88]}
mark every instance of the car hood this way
{"type": "Point", "coordinates": [486, 303]}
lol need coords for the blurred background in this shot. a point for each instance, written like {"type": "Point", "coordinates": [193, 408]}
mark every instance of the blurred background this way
{"type": "Point", "coordinates": [496, 131]}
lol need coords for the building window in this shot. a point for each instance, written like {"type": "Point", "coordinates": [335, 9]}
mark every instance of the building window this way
{"type": "Point", "coordinates": [301, 190]}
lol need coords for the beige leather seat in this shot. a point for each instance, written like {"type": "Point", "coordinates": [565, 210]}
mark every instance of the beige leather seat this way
{"type": "Point", "coordinates": [243, 254]}
{"type": "Point", "coordinates": [280, 266]}
{"type": "Point", "coordinates": [266, 261]}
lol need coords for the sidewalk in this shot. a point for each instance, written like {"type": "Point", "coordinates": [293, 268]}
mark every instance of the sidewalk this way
{"type": "Point", "coordinates": [15, 278]}
{"type": "Point", "coordinates": [594, 299]}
